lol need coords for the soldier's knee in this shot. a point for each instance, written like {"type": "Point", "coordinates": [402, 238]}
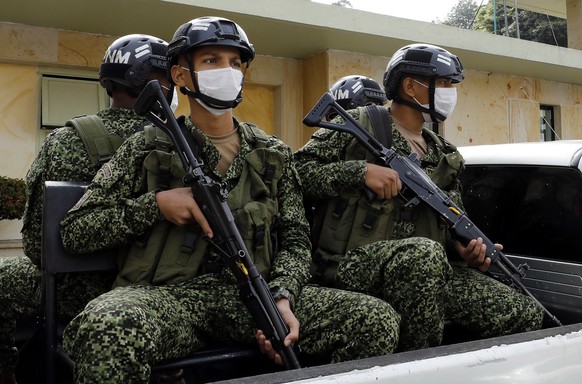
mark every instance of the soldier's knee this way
{"type": "Point", "coordinates": [112, 323]}
{"type": "Point", "coordinates": [378, 326]}
{"type": "Point", "coordinates": [427, 255]}
{"type": "Point", "coordinates": [379, 317]}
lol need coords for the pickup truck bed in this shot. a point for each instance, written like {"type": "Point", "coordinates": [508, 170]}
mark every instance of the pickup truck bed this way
{"type": "Point", "coordinates": [528, 197]}
{"type": "Point", "coordinates": [540, 357]}
{"type": "Point", "coordinates": [524, 196]}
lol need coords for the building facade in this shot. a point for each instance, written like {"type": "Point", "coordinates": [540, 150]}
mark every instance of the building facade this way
{"type": "Point", "coordinates": [514, 90]}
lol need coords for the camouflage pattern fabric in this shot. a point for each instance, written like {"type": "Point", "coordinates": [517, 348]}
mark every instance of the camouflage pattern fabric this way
{"type": "Point", "coordinates": [411, 274]}
{"type": "Point", "coordinates": [489, 309]}
{"type": "Point", "coordinates": [120, 334]}
{"type": "Point", "coordinates": [62, 157]}
{"type": "Point", "coordinates": [19, 284]}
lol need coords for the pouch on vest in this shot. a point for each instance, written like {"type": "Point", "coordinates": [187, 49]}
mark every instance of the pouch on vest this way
{"type": "Point", "coordinates": [173, 254]}
{"type": "Point", "coordinates": [99, 143]}
{"type": "Point", "coordinates": [256, 216]}
{"type": "Point", "coordinates": [153, 261]}
{"type": "Point", "coordinates": [447, 170]}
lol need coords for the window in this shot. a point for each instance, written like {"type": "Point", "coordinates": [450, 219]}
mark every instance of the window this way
{"type": "Point", "coordinates": [531, 210]}
{"type": "Point", "coordinates": [65, 97]}
{"type": "Point", "coordinates": [547, 127]}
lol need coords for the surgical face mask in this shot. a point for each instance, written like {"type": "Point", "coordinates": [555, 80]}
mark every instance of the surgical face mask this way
{"type": "Point", "coordinates": [174, 102]}
{"type": "Point", "coordinates": [445, 100]}
{"type": "Point", "coordinates": [223, 84]}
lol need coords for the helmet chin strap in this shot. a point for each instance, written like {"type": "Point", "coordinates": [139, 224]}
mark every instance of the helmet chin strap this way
{"type": "Point", "coordinates": [435, 116]}
{"type": "Point", "coordinates": [209, 101]}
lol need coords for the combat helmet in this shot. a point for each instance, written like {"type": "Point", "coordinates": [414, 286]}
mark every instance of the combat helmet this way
{"type": "Point", "coordinates": [129, 60]}
{"type": "Point", "coordinates": [423, 60]}
{"type": "Point", "coordinates": [209, 30]}
{"type": "Point", "coordinates": [357, 91]}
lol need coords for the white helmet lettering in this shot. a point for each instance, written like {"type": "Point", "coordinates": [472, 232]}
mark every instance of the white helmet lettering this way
{"type": "Point", "coordinates": [117, 56]}
{"type": "Point", "coordinates": [339, 94]}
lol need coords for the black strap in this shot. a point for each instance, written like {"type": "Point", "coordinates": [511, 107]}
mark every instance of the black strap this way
{"type": "Point", "coordinates": [340, 207]}
{"type": "Point", "coordinates": [371, 217]}
{"type": "Point", "coordinates": [259, 235]}
{"type": "Point", "coordinates": [381, 123]}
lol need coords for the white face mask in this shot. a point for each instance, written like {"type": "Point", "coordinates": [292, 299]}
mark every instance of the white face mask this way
{"type": "Point", "coordinates": [174, 103]}
{"type": "Point", "coordinates": [222, 84]}
{"type": "Point", "coordinates": [445, 100]}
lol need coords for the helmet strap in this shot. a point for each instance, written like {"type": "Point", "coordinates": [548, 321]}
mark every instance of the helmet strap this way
{"type": "Point", "coordinates": [432, 111]}
{"type": "Point", "coordinates": [436, 117]}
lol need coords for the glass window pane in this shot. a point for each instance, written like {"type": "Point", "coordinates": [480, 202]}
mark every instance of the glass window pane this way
{"type": "Point", "coordinates": [534, 211]}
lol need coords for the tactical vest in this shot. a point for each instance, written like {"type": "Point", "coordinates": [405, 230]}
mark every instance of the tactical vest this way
{"type": "Point", "coordinates": [352, 220]}
{"type": "Point", "coordinates": [99, 143]}
{"type": "Point", "coordinates": [171, 254]}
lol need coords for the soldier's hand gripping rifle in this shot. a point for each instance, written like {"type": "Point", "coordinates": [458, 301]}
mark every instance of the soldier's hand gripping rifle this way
{"type": "Point", "coordinates": [420, 188]}
{"type": "Point", "coordinates": [211, 197]}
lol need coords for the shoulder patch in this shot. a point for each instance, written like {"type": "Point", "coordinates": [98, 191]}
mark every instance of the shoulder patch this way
{"type": "Point", "coordinates": [82, 200]}
{"type": "Point", "coordinates": [105, 171]}
{"type": "Point", "coordinates": [322, 133]}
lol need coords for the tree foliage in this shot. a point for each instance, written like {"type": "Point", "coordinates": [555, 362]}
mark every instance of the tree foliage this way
{"type": "Point", "coordinates": [532, 26]}
{"type": "Point", "coordinates": [343, 3]}
{"type": "Point", "coordinates": [462, 14]}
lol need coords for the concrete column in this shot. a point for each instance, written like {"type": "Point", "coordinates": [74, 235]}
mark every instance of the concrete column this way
{"type": "Point", "coordinates": [574, 19]}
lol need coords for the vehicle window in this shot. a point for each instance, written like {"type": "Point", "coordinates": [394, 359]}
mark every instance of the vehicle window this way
{"type": "Point", "coordinates": [534, 211]}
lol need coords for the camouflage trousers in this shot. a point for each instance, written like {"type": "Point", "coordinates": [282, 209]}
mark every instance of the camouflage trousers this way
{"type": "Point", "coordinates": [20, 294]}
{"type": "Point", "coordinates": [120, 334]}
{"type": "Point", "coordinates": [414, 276]}
{"type": "Point", "coordinates": [488, 307]}
{"type": "Point", "coordinates": [411, 274]}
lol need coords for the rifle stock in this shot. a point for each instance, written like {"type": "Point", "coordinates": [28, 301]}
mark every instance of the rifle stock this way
{"type": "Point", "coordinates": [423, 189]}
{"type": "Point", "coordinates": [212, 197]}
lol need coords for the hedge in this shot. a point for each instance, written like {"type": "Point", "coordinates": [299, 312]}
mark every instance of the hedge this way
{"type": "Point", "coordinates": [12, 198]}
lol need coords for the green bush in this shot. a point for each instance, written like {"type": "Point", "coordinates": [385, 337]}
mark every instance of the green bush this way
{"type": "Point", "coordinates": [12, 198]}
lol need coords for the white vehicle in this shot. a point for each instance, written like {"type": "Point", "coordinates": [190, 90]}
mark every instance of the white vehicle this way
{"type": "Point", "coordinates": [528, 197]}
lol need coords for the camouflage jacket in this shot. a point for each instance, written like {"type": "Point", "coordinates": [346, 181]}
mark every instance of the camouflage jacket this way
{"type": "Point", "coordinates": [326, 174]}
{"type": "Point", "coordinates": [63, 157]}
{"type": "Point", "coordinates": [118, 207]}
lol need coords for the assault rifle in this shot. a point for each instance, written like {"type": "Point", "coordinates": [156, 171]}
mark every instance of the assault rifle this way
{"type": "Point", "coordinates": [419, 188]}
{"type": "Point", "coordinates": [212, 197]}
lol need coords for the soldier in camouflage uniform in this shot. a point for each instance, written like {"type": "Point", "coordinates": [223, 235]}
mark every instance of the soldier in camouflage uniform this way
{"type": "Point", "coordinates": [174, 293]}
{"type": "Point", "coordinates": [63, 156]}
{"type": "Point", "coordinates": [399, 253]}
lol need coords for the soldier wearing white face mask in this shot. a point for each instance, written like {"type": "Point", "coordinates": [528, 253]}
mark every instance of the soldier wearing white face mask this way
{"type": "Point", "coordinates": [420, 80]}
{"type": "Point", "coordinates": [403, 254]}
{"type": "Point", "coordinates": [174, 292]}
{"type": "Point", "coordinates": [433, 68]}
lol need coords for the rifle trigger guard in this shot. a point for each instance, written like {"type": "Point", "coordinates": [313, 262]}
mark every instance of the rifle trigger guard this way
{"type": "Point", "coordinates": [410, 202]}
{"type": "Point", "coordinates": [522, 269]}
